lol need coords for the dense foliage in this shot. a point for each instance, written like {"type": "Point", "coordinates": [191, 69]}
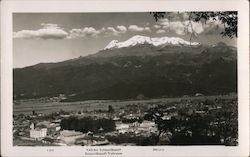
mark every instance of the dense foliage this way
{"type": "Point", "coordinates": [88, 124]}
{"type": "Point", "coordinates": [211, 127]}
{"type": "Point", "coordinates": [131, 138]}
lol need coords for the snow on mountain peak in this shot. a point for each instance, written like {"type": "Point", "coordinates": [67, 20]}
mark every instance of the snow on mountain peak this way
{"type": "Point", "coordinates": [111, 44]}
{"type": "Point", "coordinates": [157, 41]}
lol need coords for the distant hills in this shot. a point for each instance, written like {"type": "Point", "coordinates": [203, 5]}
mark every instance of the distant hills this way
{"type": "Point", "coordinates": [141, 66]}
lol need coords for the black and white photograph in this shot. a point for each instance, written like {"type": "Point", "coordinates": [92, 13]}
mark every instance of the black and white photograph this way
{"type": "Point", "coordinates": [130, 79]}
{"type": "Point", "coordinates": [108, 81]}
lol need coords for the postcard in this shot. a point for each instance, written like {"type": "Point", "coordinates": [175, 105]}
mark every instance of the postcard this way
{"type": "Point", "coordinates": [125, 78]}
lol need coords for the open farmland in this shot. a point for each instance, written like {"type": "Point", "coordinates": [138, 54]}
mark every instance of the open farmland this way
{"type": "Point", "coordinates": [27, 106]}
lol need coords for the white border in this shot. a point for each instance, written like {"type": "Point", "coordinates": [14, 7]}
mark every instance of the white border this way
{"type": "Point", "coordinates": [8, 7]}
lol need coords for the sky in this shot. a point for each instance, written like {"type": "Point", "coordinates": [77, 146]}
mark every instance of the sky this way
{"type": "Point", "coordinates": [54, 37]}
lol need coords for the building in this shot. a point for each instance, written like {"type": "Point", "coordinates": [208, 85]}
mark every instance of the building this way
{"type": "Point", "coordinates": [69, 137]}
{"type": "Point", "coordinates": [147, 127]}
{"type": "Point", "coordinates": [121, 126]}
{"type": "Point", "coordinates": [38, 133]}
{"type": "Point", "coordinates": [43, 129]}
{"type": "Point", "coordinates": [147, 124]}
{"type": "Point", "coordinates": [136, 127]}
{"type": "Point", "coordinates": [52, 128]}
{"type": "Point", "coordinates": [92, 141]}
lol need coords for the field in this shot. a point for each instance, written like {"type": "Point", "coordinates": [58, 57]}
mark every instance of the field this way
{"type": "Point", "coordinates": [27, 106]}
{"type": "Point", "coordinates": [18, 141]}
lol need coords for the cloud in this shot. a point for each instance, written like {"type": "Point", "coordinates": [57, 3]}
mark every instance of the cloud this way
{"type": "Point", "coordinates": [157, 26]}
{"type": "Point", "coordinates": [147, 29]}
{"type": "Point", "coordinates": [214, 22]}
{"type": "Point", "coordinates": [53, 31]}
{"type": "Point", "coordinates": [92, 32]}
{"type": "Point", "coordinates": [160, 31]}
{"type": "Point", "coordinates": [213, 26]}
{"type": "Point", "coordinates": [135, 28]}
{"type": "Point", "coordinates": [85, 32]}
{"type": "Point", "coordinates": [122, 29]}
{"type": "Point", "coordinates": [111, 31]}
{"type": "Point", "coordinates": [182, 27]}
{"type": "Point", "coordinates": [197, 27]}
{"type": "Point", "coordinates": [164, 22]}
{"type": "Point", "coordinates": [185, 16]}
{"type": "Point", "coordinates": [48, 31]}
{"type": "Point", "coordinates": [49, 25]}
{"type": "Point", "coordinates": [177, 16]}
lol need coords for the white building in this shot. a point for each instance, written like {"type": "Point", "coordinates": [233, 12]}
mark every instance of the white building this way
{"type": "Point", "coordinates": [38, 133]}
{"type": "Point", "coordinates": [121, 126]}
{"type": "Point", "coordinates": [147, 124]}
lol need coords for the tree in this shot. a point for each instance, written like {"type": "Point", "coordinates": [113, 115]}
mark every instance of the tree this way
{"type": "Point", "coordinates": [110, 109]}
{"type": "Point", "coordinates": [163, 126]}
{"type": "Point", "coordinates": [155, 114]}
{"type": "Point", "coordinates": [87, 124]}
{"type": "Point", "coordinates": [34, 112]}
{"type": "Point", "coordinates": [228, 18]}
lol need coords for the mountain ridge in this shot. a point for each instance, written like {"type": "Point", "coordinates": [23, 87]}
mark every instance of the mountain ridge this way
{"type": "Point", "coordinates": [127, 72]}
{"type": "Point", "coordinates": [157, 41]}
{"type": "Point", "coordinates": [159, 49]}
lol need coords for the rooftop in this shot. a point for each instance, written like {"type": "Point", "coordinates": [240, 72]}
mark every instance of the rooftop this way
{"type": "Point", "coordinates": [68, 133]}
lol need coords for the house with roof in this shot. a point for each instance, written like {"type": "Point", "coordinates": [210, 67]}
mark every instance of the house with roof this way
{"type": "Point", "coordinates": [42, 129]}
{"type": "Point", "coordinates": [69, 137]}
{"type": "Point", "coordinates": [91, 140]}
{"type": "Point", "coordinates": [38, 133]}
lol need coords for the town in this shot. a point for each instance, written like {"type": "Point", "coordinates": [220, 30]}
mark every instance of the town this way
{"type": "Point", "coordinates": [181, 122]}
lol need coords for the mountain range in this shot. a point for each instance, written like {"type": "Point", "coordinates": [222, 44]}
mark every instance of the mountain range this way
{"type": "Point", "coordinates": [139, 39]}
{"type": "Point", "coordinates": [139, 66]}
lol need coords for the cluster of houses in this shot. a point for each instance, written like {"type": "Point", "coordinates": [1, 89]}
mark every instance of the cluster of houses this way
{"type": "Point", "coordinates": [43, 129]}
{"type": "Point", "coordinates": [46, 131]}
{"type": "Point", "coordinates": [129, 119]}
{"type": "Point", "coordinates": [146, 127]}
{"type": "Point", "coordinates": [71, 137]}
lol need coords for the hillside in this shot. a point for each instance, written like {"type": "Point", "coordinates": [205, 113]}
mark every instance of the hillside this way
{"type": "Point", "coordinates": [139, 69]}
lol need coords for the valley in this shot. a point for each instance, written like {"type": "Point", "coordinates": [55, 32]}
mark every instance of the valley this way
{"type": "Point", "coordinates": [44, 106]}
{"type": "Point", "coordinates": [142, 91]}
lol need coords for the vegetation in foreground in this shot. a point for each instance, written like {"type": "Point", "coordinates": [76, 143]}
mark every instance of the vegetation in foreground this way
{"type": "Point", "coordinates": [180, 122]}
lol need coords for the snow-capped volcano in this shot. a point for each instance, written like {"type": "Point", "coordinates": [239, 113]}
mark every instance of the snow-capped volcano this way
{"type": "Point", "coordinates": [158, 41]}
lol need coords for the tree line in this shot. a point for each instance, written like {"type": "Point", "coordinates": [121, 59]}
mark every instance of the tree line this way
{"type": "Point", "coordinates": [88, 124]}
